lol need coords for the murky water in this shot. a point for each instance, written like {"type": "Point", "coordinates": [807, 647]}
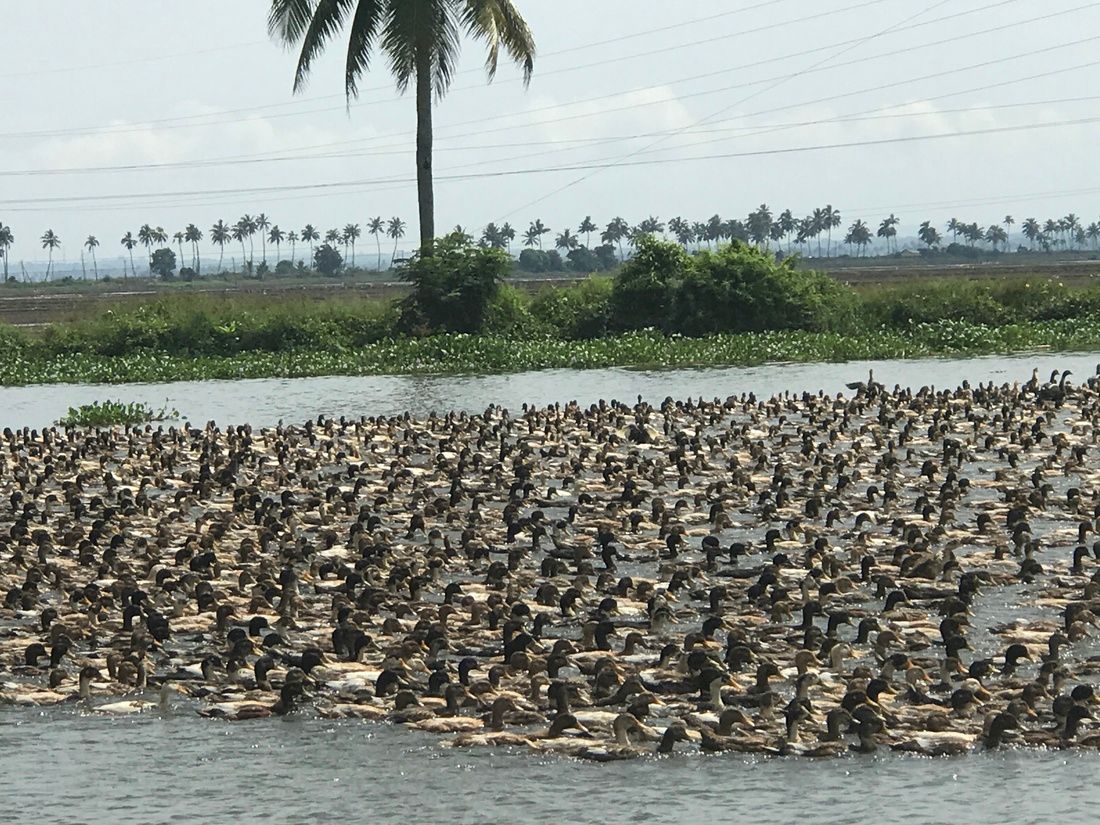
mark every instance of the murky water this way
{"type": "Point", "coordinates": [64, 767]}
{"type": "Point", "coordinates": [266, 401]}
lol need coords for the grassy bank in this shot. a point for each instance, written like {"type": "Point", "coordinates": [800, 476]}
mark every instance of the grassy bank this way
{"type": "Point", "coordinates": [664, 308]}
{"type": "Point", "coordinates": [494, 354]}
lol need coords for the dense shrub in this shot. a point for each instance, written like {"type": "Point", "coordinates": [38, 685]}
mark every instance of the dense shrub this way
{"type": "Point", "coordinates": [575, 312]}
{"type": "Point", "coordinates": [538, 260]}
{"type": "Point", "coordinates": [453, 287]}
{"type": "Point", "coordinates": [646, 286]}
{"type": "Point", "coordinates": [327, 260]}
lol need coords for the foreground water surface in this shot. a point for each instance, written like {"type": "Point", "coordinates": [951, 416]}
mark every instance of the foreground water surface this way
{"type": "Point", "coordinates": [66, 767]}
{"type": "Point", "coordinates": [264, 402]}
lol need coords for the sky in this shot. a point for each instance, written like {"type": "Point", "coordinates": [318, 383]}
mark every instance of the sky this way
{"type": "Point", "coordinates": [172, 114]}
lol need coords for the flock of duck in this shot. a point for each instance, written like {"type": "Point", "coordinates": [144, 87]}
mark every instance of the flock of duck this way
{"type": "Point", "coordinates": [798, 575]}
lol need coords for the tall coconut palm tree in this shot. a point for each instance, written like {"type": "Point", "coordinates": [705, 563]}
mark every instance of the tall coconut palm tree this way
{"type": "Point", "coordinates": [262, 225]}
{"type": "Point", "coordinates": [352, 231]}
{"type": "Point", "coordinates": [1008, 222]}
{"type": "Point", "coordinates": [396, 230]}
{"type": "Point", "coordinates": [240, 234]}
{"type": "Point", "coordinates": [160, 236]}
{"type": "Point", "coordinates": [129, 242]}
{"type": "Point", "coordinates": [832, 221]}
{"type": "Point", "coordinates": [508, 233]}
{"type": "Point", "coordinates": [6, 240]}
{"type": "Point", "coordinates": [377, 227]}
{"type": "Point", "coordinates": [682, 230]}
{"type": "Point", "coordinates": [535, 232]}
{"type": "Point", "coordinates": [179, 238]}
{"type": "Point", "coordinates": [819, 220]}
{"type": "Point", "coordinates": [617, 230]}
{"type": "Point", "coordinates": [221, 234]}
{"type": "Point", "coordinates": [248, 226]}
{"type": "Point", "coordinates": [420, 40]}
{"type": "Point", "coordinates": [277, 236]}
{"type": "Point", "coordinates": [310, 235]}
{"type": "Point", "coordinates": [587, 228]}
{"type": "Point", "coordinates": [492, 237]}
{"type": "Point", "coordinates": [90, 244]}
{"type": "Point", "coordinates": [333, 237]}
{"type": "Point", "coordinates": [292, 239]}
{"type": "Point", "coordinates": [193, 235]}
{"type": "Point", "coordinates": [50, 242]}
{"type": "Point", "coordinates": [147, 236]}
{"type": "Point", "coordinates": [1032, 230]}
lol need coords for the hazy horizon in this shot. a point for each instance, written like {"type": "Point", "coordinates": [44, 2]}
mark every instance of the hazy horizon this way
{"type": "Point", "coordinates": [745, 90]}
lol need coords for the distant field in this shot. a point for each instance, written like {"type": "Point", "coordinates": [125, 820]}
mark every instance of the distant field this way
{"type": "Point", "coordinates": [31, 304]}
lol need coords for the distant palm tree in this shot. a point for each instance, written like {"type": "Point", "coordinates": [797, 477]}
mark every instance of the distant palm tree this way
{"type": "Point", "coordinates": [6, 240]}
{"type": "Point", "coordinates": [617, 230]}
{"type": "Point", "coordinates": [492, 237]}
{"type": "Point", "coordinates": [221, 234]}
{"type": "Point", "coordinates": [262, 224]}
{"type": "Point", "coordinates": [334, 236]}
{"type": "Point", "coordinates": [277, 236]}
{"type": "Point", "coordinates": [535, 232]}
{"type": "Point", "coordinates": [129, 242]}
{"type": "Point", "coordinates": [682, 230]}
{"type": "Point", "coordinates": [888, 231]}
{"type": "Point", "coordinates": [567, 241]}
{"type": "Point", "coordinates": [818, 227]}
{"type": "Point", "coordinates": [832, 221]}
{"type": "Point", "coordinates": [248, 226]}
{"type": "Point", "coordinates": [1092, 233]}
{"type": "Point", "coordinates": [179, 239]}
{"type": "Point", "coordinates": [953, 226]}
{"type": "Point", "coordinates": [1032, 230]}
{"type": "Point", "coordinates": [91, 245]}
{"type": "Point", "coordinates": [1008, 222]}
{"type": "Point", "coordinates": [160, 236]}
{"type": "Point", "coordinates": [240, 234]}
{"type": "Point", "coordinates": [310, 235]}
{"type": "Point", "coordinates": [421, 44]}
{"type": "Point", "coordinates": [377, 227]}
{"type": "Point", "coordinates": [928, 235]}
{"type": "Point", "coordinates": [587, 228]}
{"type": "Point", "coordinates": [292, 239]}
{"type": "Point", "coordinates": [50, 242]}
{"type": "Point", "coordinates": [508, 233]}
{"type": "Point", "coordinates": [147, 235]}
{"type": "Point", "coordinates": [396, 230]}
{"type": "Point", "coordinates": [193, 235]}
{"type": "Point", "coordinates": [352, 231]}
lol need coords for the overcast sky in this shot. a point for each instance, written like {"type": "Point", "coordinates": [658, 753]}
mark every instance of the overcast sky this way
{"type": "Point", "coordinates": [621, 87]}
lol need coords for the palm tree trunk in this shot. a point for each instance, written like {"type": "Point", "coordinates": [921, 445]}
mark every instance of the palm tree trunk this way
{"type": "Point", "coordinates": [221, 257]}
{"type": "Point", "coordinates": [132, 270]}
{"type": "Point", "coordinates": [378, 243]}
{"type": "Point", "coordinates": [95, 265]}
{"type": "Point", "coordinates": [393, 257]}
{"type": "Point", "coordinates": [424, 192]}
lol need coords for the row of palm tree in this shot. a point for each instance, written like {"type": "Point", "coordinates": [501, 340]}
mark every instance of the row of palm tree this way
{"type": "Point", "coordinates": [759, 228]}
{"type": "Point", "coordinates": [221, 234]}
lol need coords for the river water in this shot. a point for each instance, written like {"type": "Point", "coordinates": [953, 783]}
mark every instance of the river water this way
{"type": "Point", "coordinates": [62, 766]}
{"type": "Point", "coordinates": [264, 402]}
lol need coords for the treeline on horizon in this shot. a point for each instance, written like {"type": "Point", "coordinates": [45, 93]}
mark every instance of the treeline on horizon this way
{"type": "Point", "coordinates": [569, 250]}
{"type": "Point", "coordinates": [662, 289]}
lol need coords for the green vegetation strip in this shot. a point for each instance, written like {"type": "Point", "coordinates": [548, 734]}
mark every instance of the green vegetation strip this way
{"type": "Point", "coordinates": [111, 413]}
{"type": "Point", "coordinates": [459, 353]}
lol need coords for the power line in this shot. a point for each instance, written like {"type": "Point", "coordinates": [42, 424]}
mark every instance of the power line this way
{"type": "Point", "coordinates": [186, 121]}
{"type": "Point", "coordinates": [592, 165]}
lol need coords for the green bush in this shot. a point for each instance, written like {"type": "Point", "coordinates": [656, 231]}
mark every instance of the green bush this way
{"type": "Point", "coordinates": [579, 312]}
{"type": "Point", "coordinates": [646, 286]}
{"type": "Point", "coordinates": [453, 287]}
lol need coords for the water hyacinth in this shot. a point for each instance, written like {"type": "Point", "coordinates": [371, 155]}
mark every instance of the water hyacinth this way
{"type": "Point", "coordinates": [460, 353]}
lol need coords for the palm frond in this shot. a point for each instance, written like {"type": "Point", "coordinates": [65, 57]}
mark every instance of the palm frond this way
{"type": "Point", "coordinates": [288, 19]}
{"type": "Point", "coordinates": [328, 17]}
{"type": "Point", "coordinates": [369, 18]}
{"type": "Point", "coordinates": [499, 23]}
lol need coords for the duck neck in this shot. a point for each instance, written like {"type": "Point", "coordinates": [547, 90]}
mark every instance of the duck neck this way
{"type": "Point", "coordinates": [668, 741]}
